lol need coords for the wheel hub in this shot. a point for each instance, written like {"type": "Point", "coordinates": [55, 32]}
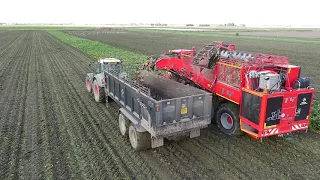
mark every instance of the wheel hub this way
{"type": "Point", "coordinates": [226, 121]}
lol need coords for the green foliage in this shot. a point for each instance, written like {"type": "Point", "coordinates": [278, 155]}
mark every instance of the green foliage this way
{"type": "Point", "coordinates": [315, 117]}
{"type": "Point", "coordinates": [97, 50]}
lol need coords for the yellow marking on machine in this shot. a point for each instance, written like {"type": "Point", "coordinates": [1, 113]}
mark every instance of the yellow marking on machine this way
{"type": "Point", "coordinates": [239, 67]}
{"type": "Point", "coordinates": [184, 110]}
{"type": "Point", "coordinates": [227, 98]}
{"type": "Point", "coordinates": [272, 126]}
{"type": "Point", "coordinates": [252, 92]}
{"type": "Point", "coordinates": [186, 55]}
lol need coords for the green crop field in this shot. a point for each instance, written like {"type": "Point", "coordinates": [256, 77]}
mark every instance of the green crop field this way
{"type": "Point", "coordinates": [51, 128]}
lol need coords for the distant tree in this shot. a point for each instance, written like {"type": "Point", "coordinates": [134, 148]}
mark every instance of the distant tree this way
{"type": "Point", "coordinates": [189, 25]}
{"type": "Point", "coordinates": [231, 24]}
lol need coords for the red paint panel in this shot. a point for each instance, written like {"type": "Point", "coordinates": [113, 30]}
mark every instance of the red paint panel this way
{"type": "Point", "coordinates": [228, 92]}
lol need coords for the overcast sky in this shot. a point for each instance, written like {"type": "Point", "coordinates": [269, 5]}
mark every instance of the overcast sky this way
{"type": "Point", "coordinates": [269, 12]}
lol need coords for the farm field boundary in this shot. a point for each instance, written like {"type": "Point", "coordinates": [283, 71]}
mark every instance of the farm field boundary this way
{"type": "Point", "coordinates": [225, 35]}
{"type": "Point", "coordinates": [36, 28]}
{"type": "Point", "coordinates": [97, 49]}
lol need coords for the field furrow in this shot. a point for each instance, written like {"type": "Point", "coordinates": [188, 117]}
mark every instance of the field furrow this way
{"type": "Point", "coordinates": [12, 130]}
{"type": "Point", "coordinates": [32, 155]}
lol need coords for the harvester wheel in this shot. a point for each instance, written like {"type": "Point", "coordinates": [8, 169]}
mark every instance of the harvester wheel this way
{"type": "Point", "coordinates": [123, 125]}
{"type": "Point", "coordinates": [88, 84]}
{"type": "Point", "coordinates": [228, 120]}
{"type": "Point", "coordinates": [139, 140]}
{"type": "Point", "coordinates": [98, 92]}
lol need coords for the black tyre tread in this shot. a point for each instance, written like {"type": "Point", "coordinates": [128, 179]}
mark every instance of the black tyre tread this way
{"type": "Point", "coordinates": [234, 109]}
{"type": "Point", "coordinates": [215, 105]}
{"type": "Point", "coordinates": [102, 97]}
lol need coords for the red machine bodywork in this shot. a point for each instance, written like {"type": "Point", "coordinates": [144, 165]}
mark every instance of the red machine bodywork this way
{"type": "Point", "coordinates": [228, 80]}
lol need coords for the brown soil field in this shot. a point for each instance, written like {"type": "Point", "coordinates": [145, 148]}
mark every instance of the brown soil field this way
{"type": "Point", "coordinates": [51, 128]}
{"type": "Point", "coordinates": [155, 42]}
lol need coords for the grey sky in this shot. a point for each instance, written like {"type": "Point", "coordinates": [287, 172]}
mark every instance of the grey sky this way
{"type": "Point", "coordinates": [165, 11]}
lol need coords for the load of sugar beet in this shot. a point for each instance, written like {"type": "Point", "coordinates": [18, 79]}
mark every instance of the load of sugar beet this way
{"type": "Point", "coordinates": [163, 88]}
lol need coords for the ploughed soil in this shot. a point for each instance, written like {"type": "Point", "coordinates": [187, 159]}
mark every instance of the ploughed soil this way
{"type": "Point", "coordinates": [50, 127]}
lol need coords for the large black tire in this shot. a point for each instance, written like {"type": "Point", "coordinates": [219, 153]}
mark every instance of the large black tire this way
{"type": "Point", "coordinates": [139, 140]}
{"type": "Point", "coordinates": [216, 102]}
{"type": "Point", "coordinates": [228, 120]}
{"type": "Point", "coordinates": [88, 84]}
{"type": "Point", "coordinates": [98, 92]}
{"type": "Point", "coordinates": [123, 125]}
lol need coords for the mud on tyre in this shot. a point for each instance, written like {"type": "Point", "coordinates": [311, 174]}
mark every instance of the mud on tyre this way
{"type": "Point", "coordinates": [88, 84]}
{"type": "Point", "coordinates": [139, 140]}
{"type": "Point", "coordinates": [98, 92]}
{"type": "Point", "coordinates": [123, 125]}
{"type": "Point", "coordinates": [228, 120]}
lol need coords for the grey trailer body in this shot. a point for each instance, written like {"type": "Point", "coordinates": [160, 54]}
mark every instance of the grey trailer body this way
{"type": "Point", "coordinates": [160, 118]}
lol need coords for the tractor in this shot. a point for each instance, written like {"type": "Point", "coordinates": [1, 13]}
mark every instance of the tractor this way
{"type": "Point", "coordinates": [95, 80]}
{"type": "Point", "coordinates": [258, 94]}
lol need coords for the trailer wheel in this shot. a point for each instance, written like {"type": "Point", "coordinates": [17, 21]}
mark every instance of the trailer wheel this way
{"type": "Point", "coordinates": [98, 92]}
{"type": "Point", "coordinates": [123, 125]}
{"type": "Point", "coordinates": [228, 120]}
{"type": "Point", "coordinates": [139, 140]}
{"type": "Point", "coordinates": [88, 84]}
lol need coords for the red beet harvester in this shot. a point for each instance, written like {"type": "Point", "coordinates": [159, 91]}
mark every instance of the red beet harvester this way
{"type": "Point", "coordinates": [261, 95]}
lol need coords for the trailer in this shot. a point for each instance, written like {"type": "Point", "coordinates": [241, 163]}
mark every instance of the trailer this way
{"type": "Point", "coordinates": [144, 116]}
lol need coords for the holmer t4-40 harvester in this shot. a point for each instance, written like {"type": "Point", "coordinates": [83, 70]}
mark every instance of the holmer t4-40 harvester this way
{"type": "Point", "coordinates": [259, 94]}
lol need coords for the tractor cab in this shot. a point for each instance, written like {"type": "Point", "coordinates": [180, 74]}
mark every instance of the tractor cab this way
{"type": "Point", "coordinates": [95, 79]}
{"type": "Point", "coordinates": [109, 64]}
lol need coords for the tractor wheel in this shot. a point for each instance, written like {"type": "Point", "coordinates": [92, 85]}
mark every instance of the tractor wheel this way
{"type": "Point", "coordinates": [228, 120]}
{"type": "Point", "coordinates": [139, 140]}
{"type": "Point", "coordinates": [123, 125]}
{"type": "Point", "coordinates": [88, 84]}
{"type": "Point", "coordinates": [98, 92]}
